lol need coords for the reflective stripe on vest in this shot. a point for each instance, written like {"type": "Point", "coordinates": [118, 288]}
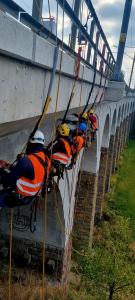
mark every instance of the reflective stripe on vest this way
{"type": "Point", "coordinates": [29, 187]}
{"type": "Point", "coordinates": [63, 158]}
{"type": "Point", "coordinates": [94, 124]}
{"type": "Point", "coordinates": [78, 144]}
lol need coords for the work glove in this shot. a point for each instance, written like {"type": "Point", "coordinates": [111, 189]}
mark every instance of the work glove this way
{"type": "Point", "coordinates": [4, 164]}
{"type": "Point", "coordinates": [20, 156]}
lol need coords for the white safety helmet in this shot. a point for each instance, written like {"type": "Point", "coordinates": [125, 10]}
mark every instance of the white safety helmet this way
{"type": "Point", "coordinates": [38, 138]}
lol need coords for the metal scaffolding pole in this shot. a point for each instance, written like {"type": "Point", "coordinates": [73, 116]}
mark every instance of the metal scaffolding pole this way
{"type": "Point", "coordinates": [37, 10]}
{"type": "Point", "coordinates": [73, 27]}
{"type": "Point", "coordinates": [132, 70]}
{"type": "Point", "coordinates": [122, 41]}
{"type": "Point", "coordinates": [91, 35]}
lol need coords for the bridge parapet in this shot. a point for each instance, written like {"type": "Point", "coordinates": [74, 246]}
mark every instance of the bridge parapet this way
{"type": "Point", "coordinates": [26, 83]}
{"type": "Point", "coordinates": [115, 91]}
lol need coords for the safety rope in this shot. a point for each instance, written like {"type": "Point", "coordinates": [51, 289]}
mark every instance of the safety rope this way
{"type": "Point", "coordinates": [48, 98]}
{"type": "Point", "coordinates": [98, 92]}
{"type": "Point", "coordinates": [93, 83]}
{"type": "Point", "coordinates": [49, 9]}
{"type": "Point", "coordinates": [66, 232]}
{"type": "Point", "coordinates": [10, 253]}
{"type": "Point", "coordinates": [45, 108]}
{"type": "Point", "coordinates": [76, 70]}
{"type": "Point", "coordinates": [104, 88]}
{"type": "Point", "coordinates": [56, 106]}
{"type": "Point", "coordinates": [46, 103]}
{"type": "Point", "coordinates": [44, 240]}
{"type": "Point", "coordinates": [61, 59]}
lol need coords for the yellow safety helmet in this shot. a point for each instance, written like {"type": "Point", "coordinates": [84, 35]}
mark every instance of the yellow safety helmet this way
{"type": "Point", "coordinates": [91, 111]}
{"type": "Point", "coordinates": [63, 129]}
{"type": "Point", "coordinates": [85, 115]}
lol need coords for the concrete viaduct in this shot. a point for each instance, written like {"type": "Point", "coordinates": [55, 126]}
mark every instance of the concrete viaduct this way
{"type": "Point", "coordinates": [73, 207]}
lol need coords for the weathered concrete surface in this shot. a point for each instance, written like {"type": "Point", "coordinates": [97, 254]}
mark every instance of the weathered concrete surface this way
{"type": "Point", "coordinates": [26, 61]}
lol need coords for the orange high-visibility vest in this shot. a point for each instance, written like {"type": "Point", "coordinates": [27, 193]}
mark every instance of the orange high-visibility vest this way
{"type": "Point", "coordinates": [63, 158]}
{"type": "Point", "coordinates": [78, 144]}
{"type": "Point", "coordinates": [94, 124]}
{"type": "Point", "coordinates": [29, 187]}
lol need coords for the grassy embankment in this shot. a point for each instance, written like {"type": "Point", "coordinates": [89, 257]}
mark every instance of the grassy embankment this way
{"type": "Point", "coordinates": [107, 271]}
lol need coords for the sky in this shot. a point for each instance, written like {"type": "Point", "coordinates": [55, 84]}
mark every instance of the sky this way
{"type": "Point", "coordinates": [110, 14]}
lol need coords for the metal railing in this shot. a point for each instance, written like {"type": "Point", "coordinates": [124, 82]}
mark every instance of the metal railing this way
{"type": "Point", "coordinates": [17, 12]}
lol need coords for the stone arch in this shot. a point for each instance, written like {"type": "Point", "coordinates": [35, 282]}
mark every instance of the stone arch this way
{"type": "Point", "coordinates": [89, 161]}
{"type": "Point", "coordinates": [106, 132]}
{"type": "Point", "coordinates": [110, 151]}
{"type": "Point", "coordinates": [102, 168]}
{"type": "Point", "coordinates": [113, 124]}
{"type": "Point", "coordinates": [131, 105]}
{"type": "Point", "coordinates": [118, 117]}
{"type": "Point", "coordinates": [127, 109]}
{"type": "Point", "coordinates": [122, 113]}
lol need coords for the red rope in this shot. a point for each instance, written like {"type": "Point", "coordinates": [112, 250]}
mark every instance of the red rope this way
{"type": "Point", "coordinates": [77, 64]}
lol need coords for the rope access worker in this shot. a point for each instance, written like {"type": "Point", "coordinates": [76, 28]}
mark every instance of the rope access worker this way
{"type": "Point", "coordinates": [59, 151]}
{"type": "Point", "coordinates": [93, 119]}
{"type": "Point", "coordinates": [24, 180]}
{"type": "Point", "coordinates": [83, 118]}
{"type": "Point", "coordinates": [78, 142]}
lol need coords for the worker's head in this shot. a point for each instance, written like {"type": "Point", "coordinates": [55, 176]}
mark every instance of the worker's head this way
{"type": "Point", "coordinates": [91, 111]}
{"type": "Point", "coordinates": [82, 127]}
{"type": "Point", "coordinates": [84, 115]}
{"type": "Point", "coordinates": [37, 138]}
{"type": "Point", "coordinates": [63, 129]}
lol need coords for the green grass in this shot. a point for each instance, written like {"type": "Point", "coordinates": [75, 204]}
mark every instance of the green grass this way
{"type": "Point", "coordinates": [123, 198]}
{"type": "Point", "coordinates": [111, 261]}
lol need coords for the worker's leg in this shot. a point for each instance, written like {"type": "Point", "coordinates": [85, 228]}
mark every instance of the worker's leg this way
{"type": "Point", "coordinates": [4, 195]}
{"type": "Point", "coordinates": [11, 199]}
